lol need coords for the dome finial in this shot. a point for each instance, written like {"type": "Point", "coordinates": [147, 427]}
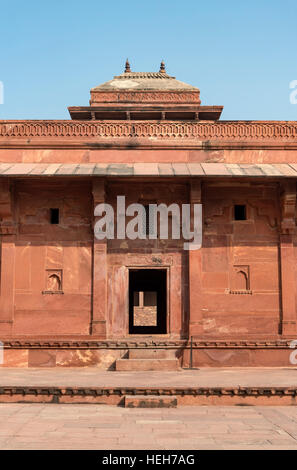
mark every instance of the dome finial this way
{"type": "Point", "coordinates": [162, 67]}
{"type": "Point", "coordinates": [127, 67]}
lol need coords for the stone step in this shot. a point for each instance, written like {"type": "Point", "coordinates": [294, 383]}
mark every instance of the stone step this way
{"type": "Point", "coordinates": [150, 401]}
{"type": "Point", "coordinates": [152, 353]}
{"type": "Point", "coordinates": [146, 364]}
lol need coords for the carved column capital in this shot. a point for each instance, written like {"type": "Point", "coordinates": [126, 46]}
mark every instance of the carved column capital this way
{"type": "Point", "coordinates": [98, 190]}
{"type": "Point", "coordinates": [195, 196]}
{"type": "Point", "coordinates": [288, 207]}
{"type": "Point", "coordinates": [7, 223]}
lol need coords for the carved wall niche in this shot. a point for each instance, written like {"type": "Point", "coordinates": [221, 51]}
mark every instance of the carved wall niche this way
{"type": "Point", "coordinates": [240, 280]}
{"type": "Point", "coordinates": [53, 281]}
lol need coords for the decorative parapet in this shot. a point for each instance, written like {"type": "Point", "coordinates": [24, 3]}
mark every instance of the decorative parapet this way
{"type": "Point", "coordinates": [222, 130]}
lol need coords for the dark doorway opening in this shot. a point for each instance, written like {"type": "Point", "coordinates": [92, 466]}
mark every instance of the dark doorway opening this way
{"type": "Point", "coordinates": [147, 301]}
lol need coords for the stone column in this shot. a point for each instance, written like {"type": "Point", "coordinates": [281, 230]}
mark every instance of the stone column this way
{"type": "Point", "coordinates": [287, 261]}
{"type": "Point", "coordinates": [7, 280]}
{"type": "Point", "coordinates": [195, 271]}
{"type": "Point", "coordinates": [99, 294]}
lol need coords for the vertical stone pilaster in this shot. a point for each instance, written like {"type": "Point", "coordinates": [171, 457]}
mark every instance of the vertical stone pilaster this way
{"type": "Point", "coordinates": [287, 262]}
{"type": "Point", "coordinates": [195, 272]}
{"type": "Point", "coordinates": [99, 294]}
{"type": "Point", "coordinates": [7, 280]}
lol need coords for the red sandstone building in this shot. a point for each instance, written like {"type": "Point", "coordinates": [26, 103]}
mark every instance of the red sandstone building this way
{"type": "Point", "coordinates": [68, 299]}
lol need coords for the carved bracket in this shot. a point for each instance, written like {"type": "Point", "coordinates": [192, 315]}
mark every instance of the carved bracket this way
{"type": "Point", "coordinates": [263, 211]}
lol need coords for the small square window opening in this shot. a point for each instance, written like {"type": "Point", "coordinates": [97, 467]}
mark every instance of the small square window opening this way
{"type": "Point", "coordinates": [54, 216]}
{"type": "Point", "coordinates": [239, 212]}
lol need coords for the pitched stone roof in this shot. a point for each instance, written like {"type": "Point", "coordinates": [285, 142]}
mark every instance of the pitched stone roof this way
{"type": "Point", "coordinates": [144, 81]}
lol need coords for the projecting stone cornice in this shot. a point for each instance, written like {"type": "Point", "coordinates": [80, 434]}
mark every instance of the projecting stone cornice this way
{"type": "Point", "coordinates": [284, 171]}
{"type": "Point", "coordinates": [143, 134]}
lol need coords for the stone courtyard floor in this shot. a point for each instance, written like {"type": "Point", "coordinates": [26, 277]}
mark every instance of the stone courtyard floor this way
{"type": "Point", "coordinates": [93, 377]}
{"type": "Point", "coordinates": [51, 426]}
{"type": "Point", "coordinates": [93, 426]}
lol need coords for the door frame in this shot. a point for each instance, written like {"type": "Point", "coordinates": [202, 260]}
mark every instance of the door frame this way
{"type": "Point", "coordinates": [147, 267]}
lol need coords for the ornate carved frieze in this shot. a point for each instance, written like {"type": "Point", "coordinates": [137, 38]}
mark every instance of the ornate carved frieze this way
{"type": "Point", "coordinates": [140, 129]}
{"type": "Point", "coordinates": [151, 97]}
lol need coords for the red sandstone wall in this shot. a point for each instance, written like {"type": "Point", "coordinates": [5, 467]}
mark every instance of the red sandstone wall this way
{"type": "Point", "coordinates": [237, 256]}
{"type": "Point", "coordinates": [151, 155]}
{"type": "Point", "coordinates": [43, 250]}
{"type": "Point", "coordinates": [241, 257]}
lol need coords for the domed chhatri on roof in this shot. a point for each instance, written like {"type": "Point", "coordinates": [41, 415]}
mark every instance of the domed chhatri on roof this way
{"type": "Point", "coordinates": [145, 96]}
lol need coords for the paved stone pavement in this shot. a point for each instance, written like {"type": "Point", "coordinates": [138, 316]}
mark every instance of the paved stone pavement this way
{"type": "Point", "coordinates": [91, 376]}
{"type": "Point", "coordinates": [50, 426]}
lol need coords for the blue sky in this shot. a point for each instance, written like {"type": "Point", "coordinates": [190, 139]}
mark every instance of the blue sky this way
{"type": "Point", "coordinates": [242, 55]}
